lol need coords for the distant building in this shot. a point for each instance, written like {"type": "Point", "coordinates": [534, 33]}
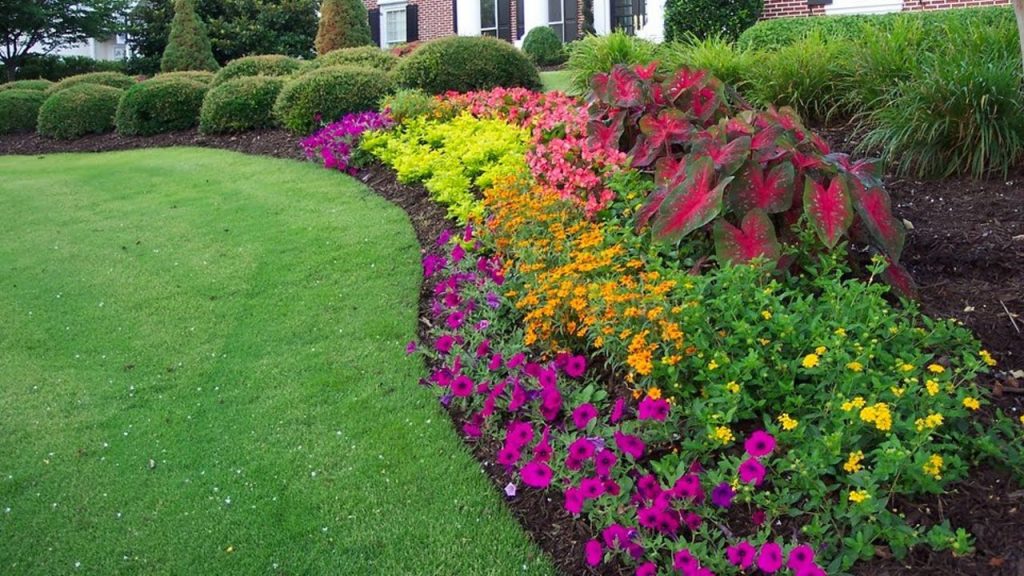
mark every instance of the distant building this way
{"type": "Point", "coordinates": [113, 48]}
{"type": "Point", "coordinates": [784, 8]}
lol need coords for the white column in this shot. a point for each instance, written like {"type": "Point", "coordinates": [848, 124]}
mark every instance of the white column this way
{"type": "Point", "coordinates": [535, 14]}
{"type": "Point", "coordinates": [654, 30]}
{"type": "Point", "coordinates": [468, 17]}
{"type": "Point", "coordinates": [602, 17]}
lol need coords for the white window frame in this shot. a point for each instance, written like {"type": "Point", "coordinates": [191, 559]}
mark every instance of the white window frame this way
{"type": "Point", "coordinates": [560, 21]}
{"type": "Point", "coordinates": [389, 8]}
{"type": "Point", "coordinates": [495, 28]}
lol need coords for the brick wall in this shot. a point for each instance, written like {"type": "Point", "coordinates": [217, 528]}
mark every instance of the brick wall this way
{"type": "Point", "coordinates": [782, 8]}
{"type": "Point", "coordinates": [436, 17]}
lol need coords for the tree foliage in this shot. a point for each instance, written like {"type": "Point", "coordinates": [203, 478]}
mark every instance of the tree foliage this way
{"type": "Point", "coordinates": [188, 46]}
{"type": "Point", "coordinates": [45, 25]}
{"type": "Point", "coordinates": [343, 24]}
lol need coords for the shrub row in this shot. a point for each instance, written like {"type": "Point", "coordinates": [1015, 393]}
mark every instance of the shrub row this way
{"type": "Point", "coordinates": [19, 109]}
{"type": "Point", "coordinates": [79, 110]}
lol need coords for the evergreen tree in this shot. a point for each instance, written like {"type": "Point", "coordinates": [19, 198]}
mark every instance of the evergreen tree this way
{"type": "Point", "coordinates": [188, 47]}
{"type": "Point", "coordinates": [343, 24]}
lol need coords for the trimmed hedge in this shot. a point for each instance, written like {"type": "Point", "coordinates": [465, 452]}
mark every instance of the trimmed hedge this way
{"type": "Point", "coordinates": [327, 94]}
{"type": "Point", "coordinates": [157, 106]}
{"type": "Point", "coordinates": [264, 65]}
{"type": "Point", "coordinates": [465, 63]}
{"type": "Point", "coordinates": [710, 18]}
{"type": "Point", "coordinates": [201, 76]}
{"type": "Point", "coordinates": [939, 24]}
{"type": "Point", "coordinates": [367, 56]}
{"type": "Point", "coordinates": [79, 110]}
{"type": "Point", "coordinates": [544, 47]}
{"type": "Point", "coordinates": [240, 104]}
{"type": "Point", "coordinates": [19, 109]}
{"type": "Point", "coordinates": [112, 79]}
{"type": "Point", "coordinates": [38, 85]}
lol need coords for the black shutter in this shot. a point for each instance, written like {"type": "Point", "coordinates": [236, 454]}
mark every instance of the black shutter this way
{"type": "Point", "coordinates": [412, 23]}
{"type": "Point", "coordinates": [505, 20]}
{"type": "Point", "coordinates": [375, 25]}
{"type": "Point", "coordinates": [571, 27]}
{"type": "Point", "coordinates": [455, 16]}
{"type": "Point", "coordinates": [520, 25]}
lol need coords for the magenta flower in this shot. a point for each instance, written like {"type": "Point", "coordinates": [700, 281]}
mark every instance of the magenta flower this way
{"type": "Point", "coordinates": [604, 461]}
{"type": "Point", "coordinates": [800, 557]}
{"type": "Point", "coordinates": [583, 414]}
{"type": "Point", "coordinates": [536, 474]}
{"type": "Point", "coordinates": [651, 409]}
{"type": "Point", "coordinates": [615, 536]}
{"type": "Point", "coordinates": [593, 553]}
{"type": "Point", "coordinates": [591, 488]}
{"type": "Point", "coordinates": [581, 449]}
{"type": "Point", "coordinates": [751, 472]}
{"type": "Point", "coordinates": [647, 569]}
{"type": "Point", "coordinates": [575, 366]}
{"type": "Point", "coordinates": [444, 237]}
{"type": "Point", "coordinates": [462, 386]}
{"type": "Point", "coordinates": [757, 517]}
{"type": "Point", "coordinates": [630, 445]}
{"type": "Point", "coordinates": [548, 378]}
{"type": "Point", "coordinates": [515, 361]}
{"type": "Point", "coordinates": [648, 487]}
{"type": "Point", "coordinates": [617, 410]}
{"type": "Point", "coordinates": [455, 320]}
{"type": "Point", "coordinates": [444, 343]}
{"type": "Point", "coordinates": [508, 456]}
{"type": "Point", "coordinates": [458, 253]}
{"type": "Point", "coordinates": [519, 434]}
{"type": "Point", "coordinates": [648, 516]}
{"type": "Point", "coordinates": [688, 486]}
{"type": "Point", "coordinates": [573, 501]}
{"type": "Point", "coordinates": [483, 348]}
{"type": "Point", "coordinates": [542, 451]}
{"type": "Point", "coordinates": [410, 347]}
{"type": "Point", "coordinates": [769, 559]}
{"type": "Point", "coordinates": [472, 430]}
{"type": "Point", "coordinates": [741, 555]}
{"type": "Point", "coordinates": [612, 487]}
{"type": "Point", "coordinates": [495, 363]}
{"type": "Point", "coordinates": [684, 562]}
{"type": "Point", "coordinates": [573, 463]}
{"type": "Point", "coordinates": [692, 520]}
{"type": "Point", "coordinates": [810, 570]}
{"type": "Point", "coordinates": [760, 443]}
{"type": "Point", "coordinates": [722, 495]}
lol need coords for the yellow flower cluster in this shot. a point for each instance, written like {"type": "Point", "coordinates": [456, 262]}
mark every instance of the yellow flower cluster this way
{"type": "Point", "coordinates": [787, 422]}
{"type": "Point", "coordinates": [971, 403]}
{"type": "Point", "coordinates": [933, 467]}
{"type": "Point", "coordinates": [723, 434]}
{"type": "Point", "coordinates": [879, 415]}
{"type": "Point", "coordinates": [933, 420]}
{"type": "Point", "coordinates": [855, 367]}
{"type": "Point", "coordinates": [987, 358]}
{"type": "Point", "coordinates": [811, 360]}
{"type": "Point", "coordinates": [858, 496]}
{"type": "Point", "coordinates": [856, 403]}
{"type": "Point", "coordinates": [853, 462]}
{"type": "Point", "coordinates": [932, 386]}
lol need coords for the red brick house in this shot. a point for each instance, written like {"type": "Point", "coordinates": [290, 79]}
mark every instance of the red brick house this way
{"type": "Point", "coordinates": [782, 8]}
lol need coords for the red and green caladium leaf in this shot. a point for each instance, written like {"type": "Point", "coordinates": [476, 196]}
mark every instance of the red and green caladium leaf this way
{"type": "Point", "coordinates": [899, 278]}
{"type": "Point", "coordinates": [668, 127]}
{"type": "Point", "coordinates": [875, 211]}
{"type": "Point", "coordinates": [624, 88]}
{"type": "Point", "coordinates": [727, 156]}
{"type": "Point", "coordinates": [683, 81]}
{"type": "Point", "coordinates": [605, 137]}
{"type": "Point", "coordinates": [651, 206]}
{"type": "Point", "coordinates": [692, 204]}
{"type": "Point", "coordinates": [829, 209]}
{"type": "Point", "coordinates": [770, 190]}
{"type": "Point", "coordinates": [669, 172]}
{"type": "Point", "coordinates": [755, 238]}
{"type": "Point", "coordinates": [868, 170]}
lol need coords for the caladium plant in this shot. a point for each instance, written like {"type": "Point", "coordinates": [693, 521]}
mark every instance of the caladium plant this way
{"type": "Point", "coordinates": [747, 175]}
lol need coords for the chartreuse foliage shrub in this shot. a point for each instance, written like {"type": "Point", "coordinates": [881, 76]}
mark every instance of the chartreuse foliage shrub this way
{"type": "Point", "coordinates": [710, 18]}
{"type": "Point", "coordinates": [365, 56]}
{"type": "Point", "coordinates": [544, 47]}
{"type": "Point", "coordinates": [264, 65]}
{"type": "Point", "coordinates": [18, 110]}
{"type": "Point", "coordinates": [112, 79]}
{"type": "Point", "coordinates": [244, 103]}
{"type": "Point", "coordinates": [79, 110]}
{"type": "Point", "coordinates": [188, 46]}
{"type": "Point", "coordinates": [157, 106]}
{"type": "Point", "coordinates": [465, 63]}
{"type": "Point", "coordinates": [596, 54]}
{"type": "Point", "coordinates": [39, 85]}
{"type": "Point", "coordinates": [454, 159]}
{"type": "Point", "coordinates": [327, 94]}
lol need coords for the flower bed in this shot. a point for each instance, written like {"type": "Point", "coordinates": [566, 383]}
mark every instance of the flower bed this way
{"type": "Point", "coordinates": [706, 420]}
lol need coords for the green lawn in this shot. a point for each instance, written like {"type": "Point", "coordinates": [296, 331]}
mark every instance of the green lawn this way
{"type": "Point", "coordinates": [202, 371]}
{"type": "Point", "coordinates": [556, 80]}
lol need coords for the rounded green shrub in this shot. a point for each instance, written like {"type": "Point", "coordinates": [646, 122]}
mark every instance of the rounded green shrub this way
{"type": "Point", "coordinates": [112, 79]}
{"type": "Point", "coordinates": [241, 104]}
{"type": "Point", "coordinates": [327, 94]}
{"type": "Point", "coordinates": [18, 110]}
{"type": "Point", "coordinates": [201, 76]}
{"type": "Point", "coordinates": [544, 47]}
{"type": "Point", "coordinates": [264, 65]}
{"type": "Point", "coordinates": [707, 18]}
{"type": "Point", "coordinates": [465, 63]}
{"type": "Point", "coordinates": [157, 106]}
{"type": "Point", "coordinates": [79, 110]}
{"type": "Point", "coordinates": [38, 85]}
{"type": "Point", "coordinates": [367, 56]}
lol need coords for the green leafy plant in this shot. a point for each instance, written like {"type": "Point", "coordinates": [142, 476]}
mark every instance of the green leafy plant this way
{"type": "Point", "coordinates": [188, 46]}
{"type": "Point", "coordinates": [19, 109]}
{"type": "Point", "coordinates": [715, 54]}
{"type": "Point", "coordinates": [596, 54]}
{"type": "Point", "coordinates": [263, 65]}
{"type": "Point", "coordinates": [157, 106]}
{"type": "Point", "coordinates": [79, 110]}
{"type": "Point", "coordinates": [327, 94]}
{"type": "Point", "coordinates": [405, 104]}
{"type": "Point", "coordinates": [112, 79]}
{"type": "Point", "coordinates": [343, 24]}
{"type": "Point", "coordinates": [365, 56]}
{"type": "Point", "coordinates": [544, 47]}
{"type": "Point", "coordinates": [465, 63]}
{"type": "Point", "coordinates": [244, 103]}
{"type": "Point", "coordinates": [710, 18]}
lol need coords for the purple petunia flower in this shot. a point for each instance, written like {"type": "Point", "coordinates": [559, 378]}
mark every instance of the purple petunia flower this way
{"type": "Point", "coordinates": [769, 559]}
{"type": "Point", "coordinates": [651, 409]}
{"type": "Point", "coordinates": [536, 474]}
{"type": "Point", "coordinates": [741, 555]}
{"type": "Point", "coordinates": [410, 347]}
{"type": "Point", "coordinates": [444, 344]}
{"type": "Point", "coordinates": [647, 569]}
{"type": "Point", "coordinates": [800, 556]}
{"type": "Point", "coordinates": [573, 501]}
{"type": "Point", "coordinates": [593, 553]}
{"type": "Point", "coordinates": [591, 488]}
{"type": "Point", "coordinates": [617, 410]}
{"type": "Point", "coordinates": [432, 263]}
{"type": "Point", "coordinates": [462, 386]}
{"type": "Point", "coordinates": [751, 472]}
{"type": "Point", "coordinates": [631, 445]}
{"type": "Point", "coordinates": [492, 300]}
{"type": "Point", "coordinates": [760, 443]}
{"type": "Point", "coordinates": [583, 414]}
{"type": "Point", "coordinates": [685, 562]}
{"type": "Point", "coordinates": [722, 495]}
{"type": "Point", "coordinates": [604, 461]}
{"type": "Point", "coordinates": [581, 449]}
{"type": "Point", "coordinates": [575, 366]}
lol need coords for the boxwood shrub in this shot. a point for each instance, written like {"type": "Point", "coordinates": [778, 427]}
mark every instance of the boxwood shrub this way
{"type": "Point", "coordinates": [464, 63]}
{"type": "Point", "coordinates": [544, 47]}
{"type": "Point", "coordinates": [263, 65]}
{"type": "Point", "coordinates": [157, 106]}
{"type": "Point", "coordinates": [327, 94]}
{"type": "Point", "coordinates": [367, 56]}
{"type": "Point", "coordinates": [201, 76]}
{"type": "Point", "coordinates": [240, 104]}
{"type": "Point", "coordinates": [710, 18]}
{"type": "Point", "coordinates": [18, 110]}
{"type": "Point", "coordinates": [112, 79]}
{"type": "Point", "coordinates": [79, 110]}
{"type": "Point", "coordinates": [39, 85]}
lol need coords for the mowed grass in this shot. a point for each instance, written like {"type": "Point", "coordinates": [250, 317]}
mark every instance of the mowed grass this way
{"type": "Point", "coordinates": [202, 371]}
{"type": "Point", "coordinates": [556, 80]}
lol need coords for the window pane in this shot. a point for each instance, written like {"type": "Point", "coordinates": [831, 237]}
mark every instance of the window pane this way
{"type": "Point", "coordinates": [558, 30]}
{"type": "Point", "coordinates": [491, 32]}
{"type": "Point", "coordinates": [394, 27]}
{"type": "Point", "coordinates": [488, 14]}
{"type": "Point", "coordinates": [555, 11]}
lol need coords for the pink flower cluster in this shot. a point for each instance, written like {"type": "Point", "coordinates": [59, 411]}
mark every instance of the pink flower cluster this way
{"type": "Point", "coordinates": [335, 143]}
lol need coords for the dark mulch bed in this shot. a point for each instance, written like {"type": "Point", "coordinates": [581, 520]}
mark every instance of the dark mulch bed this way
{"type": "Point", "coordinates": [965, 250]}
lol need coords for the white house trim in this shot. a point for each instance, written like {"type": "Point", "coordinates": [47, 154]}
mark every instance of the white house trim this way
{"type": "Point", "coordinates": [654, 29]}
{"type": "Point", "coordinates": [468, 17]}
{"type": "Point", "coordinates": [863, 6]}
{"type": "Point", "coordinates": [602, 17]}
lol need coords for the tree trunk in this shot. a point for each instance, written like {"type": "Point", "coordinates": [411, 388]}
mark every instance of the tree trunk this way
{"type": "Point", "coordinates": [1018, 10]}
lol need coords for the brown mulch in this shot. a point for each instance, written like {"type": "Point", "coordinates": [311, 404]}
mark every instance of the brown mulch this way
{"type": "Point", "coordinates": [965, 250]}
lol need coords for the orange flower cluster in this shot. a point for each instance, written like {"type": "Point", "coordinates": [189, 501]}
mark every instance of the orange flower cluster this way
{"type": "Point", "coordinates": [579, 283]}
